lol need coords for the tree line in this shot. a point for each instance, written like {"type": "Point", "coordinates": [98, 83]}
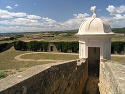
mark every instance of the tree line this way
{"type": "Point", "coordinates": [5, 46]}
{"type": "Point", "coordinates": [43, 46]}
{"type": "Point", "coordinates": [118, 30]}
{"type": "Point", "coordinates": [116, 47]}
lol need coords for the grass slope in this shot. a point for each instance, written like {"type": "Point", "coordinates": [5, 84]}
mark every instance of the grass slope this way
{"type": "Point", "coordinates": [118, 59]}
{"type": "Point", "coordinates": [8, 61]}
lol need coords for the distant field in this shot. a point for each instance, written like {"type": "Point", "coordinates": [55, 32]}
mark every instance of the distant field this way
{"type": "Point", "coordinates": [56, 36]}
{"type": "Point", "coordinates": [118, 37]}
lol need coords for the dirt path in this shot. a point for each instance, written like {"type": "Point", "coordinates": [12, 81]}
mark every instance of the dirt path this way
{"type": "Point", "coordinates": [18, 57]}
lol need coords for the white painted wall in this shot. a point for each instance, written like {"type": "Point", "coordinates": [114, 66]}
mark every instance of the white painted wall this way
{"type": "Point", "coordinates": [104, 42]}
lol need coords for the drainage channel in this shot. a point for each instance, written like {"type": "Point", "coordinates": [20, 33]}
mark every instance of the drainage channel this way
{"type": "Point", "coordinates": [91, 86]}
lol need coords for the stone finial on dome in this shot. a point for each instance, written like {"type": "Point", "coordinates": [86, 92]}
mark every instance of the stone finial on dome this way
{"type": "Point", "coordinates": [93, 9]}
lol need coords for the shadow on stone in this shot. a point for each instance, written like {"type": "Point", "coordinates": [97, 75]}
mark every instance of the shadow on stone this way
{"type": "Point", "coordinates": [91, 86]}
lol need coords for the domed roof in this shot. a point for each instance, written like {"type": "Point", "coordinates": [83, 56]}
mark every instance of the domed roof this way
{"type": "Point", "coordinates": [94, 26]}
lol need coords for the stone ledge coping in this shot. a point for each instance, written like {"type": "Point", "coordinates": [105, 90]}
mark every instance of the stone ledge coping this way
{"type": "Point", "coordinates": [118, 73]}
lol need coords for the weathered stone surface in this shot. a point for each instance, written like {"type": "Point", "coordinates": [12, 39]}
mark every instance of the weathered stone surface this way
{"type": "Point", "coordinates": [55, 78]}
{"type": "Point", "coordinates": [112, 78]}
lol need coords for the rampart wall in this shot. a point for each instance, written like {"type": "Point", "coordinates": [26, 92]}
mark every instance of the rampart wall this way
{"type": "Point", "coordinates": [64, 78]}
{"type": "Point", "coordinates": [55, 78]}
{"type": "Point", "coordinates": [112, 78]}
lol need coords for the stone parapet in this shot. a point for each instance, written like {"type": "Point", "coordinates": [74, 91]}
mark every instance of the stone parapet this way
{"type": "Point", "coordinates": [112, 78]}
{"type": "Point", "coordinates": [54, 78]}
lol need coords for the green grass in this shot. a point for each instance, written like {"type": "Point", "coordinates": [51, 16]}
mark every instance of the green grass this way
{"type": "Point", "coordinates": [3, 74]}
{"type": "Point", "coordinates": [117, 59]}
{"type": "Point", "coordinates": [52, 56]}
{"type": "Point", "coordinates": [8, 41]}
{"type": "Point", "coordinates": [51, 39]}
{"type": "Point", "coordinates": [8, 61]}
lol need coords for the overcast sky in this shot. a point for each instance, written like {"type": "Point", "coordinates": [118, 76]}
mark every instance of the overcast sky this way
{"type": "Point", "coordinates": [49, 15]}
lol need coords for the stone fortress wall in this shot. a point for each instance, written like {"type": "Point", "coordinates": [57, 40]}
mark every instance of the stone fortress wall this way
{"type": "Point", "coordinates": [55, 78]}
{"type": "Point", "coordinates": [112, 78]}
{"type": "Point", "coordinates": [64, 78]}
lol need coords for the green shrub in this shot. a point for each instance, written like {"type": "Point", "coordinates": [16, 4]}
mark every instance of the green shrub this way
{"type": "Point", "coordinates": [119, 30]}
{"type": "Point", "coordinates": [65, 46]}
{"type": "Point", "coordinates": [112, 47]}
{"type": "Point", "coordinates": [12, 38]}
{"type": "Point", "coordinates": [20, 45]}
{"type": "Point", "coordinates": [75, 47]}
{"type": "Point", "coordinates": [61, 46]}
{"type": "Point", "coordinates": [28, 47]}
{"type": "Point", "coordinates": [41, 46]}
{"type": "Point", "coordinates": [34, 45]}
{"type": "Point", "coordinates": [3, 46]}
{"type": "Point", "coordinates": [58, 45]}
{"type": "Point", "coordinates": [117, 47]}
{"type": "Point", "coordinates": [45, 46]}
{"type": "Point", "coordinates": [3, 74]}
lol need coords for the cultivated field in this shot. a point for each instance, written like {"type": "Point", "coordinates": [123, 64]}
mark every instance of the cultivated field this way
{"type": "Point", "coordinates": [118, 37]}
{"type": "Point", "coordinates": [52, 37]}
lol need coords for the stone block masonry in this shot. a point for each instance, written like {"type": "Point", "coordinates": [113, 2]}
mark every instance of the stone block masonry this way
{"type": "Point", "coordinates": [55, 78]}
{"type": "Point", "coordinates": [112, 78]}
